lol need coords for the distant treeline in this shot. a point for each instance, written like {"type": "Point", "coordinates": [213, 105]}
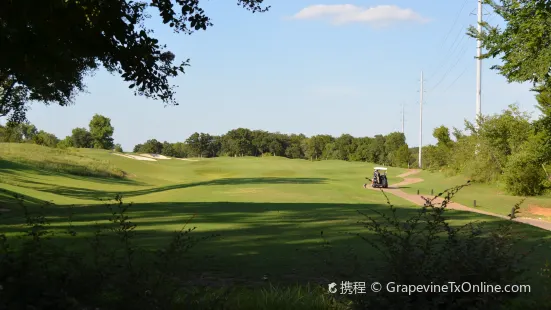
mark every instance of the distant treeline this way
{"type": "Point", "coordinates": [388, 149]}
{"type": "Point", "coordinates": [508, 148]}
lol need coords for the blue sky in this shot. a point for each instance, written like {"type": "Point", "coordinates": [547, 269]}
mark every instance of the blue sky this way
{"type": "Point", "coordinates": [333, 69]}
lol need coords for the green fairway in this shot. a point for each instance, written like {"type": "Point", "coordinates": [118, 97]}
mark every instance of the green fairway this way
{"type": "Point", "coordinates": [269, 212]}
{"type": "Point", "coordinates": [488, 197]}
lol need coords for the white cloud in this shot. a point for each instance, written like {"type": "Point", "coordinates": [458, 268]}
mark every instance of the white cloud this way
{"type": "Point", "coordinates": [381, 15]}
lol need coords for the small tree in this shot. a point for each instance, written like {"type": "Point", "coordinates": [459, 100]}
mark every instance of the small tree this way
{"type": "Point", "coordinates": [401, 156]}
{"type": "Point", "coordinates": [523, 176]}
{"type": "Point", "coordinates": [65, 143]}
{"type": "Point", "coordinates": [118, 148]}
{"type": "Point", "coordinates": [46, 139]}
{"type": "Point", "coordinates": [81, 138]}
{"type": "Point", "coordinates": [524, 173]}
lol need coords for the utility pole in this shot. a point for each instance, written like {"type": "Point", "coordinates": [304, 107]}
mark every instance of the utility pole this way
{"type": "Point", "coordinates": [479, 64]}
{"type": "Point", "coordinates": [421, 124]}
{"type": "Point", "coordinates": [402, 118]}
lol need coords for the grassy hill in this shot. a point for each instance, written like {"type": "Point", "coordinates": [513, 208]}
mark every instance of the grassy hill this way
{"type": "Point", "coordinates": [269, 212]}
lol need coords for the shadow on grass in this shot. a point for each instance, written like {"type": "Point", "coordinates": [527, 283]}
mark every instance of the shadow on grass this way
{"type": "Point", "coordinates": [279, 241]}
{"type": "Point", "coordinates": [86, 193]}
{"type": "Point", "coordinates": [6, 198]}
{"type": "Point", "coordinates": [15, 168]}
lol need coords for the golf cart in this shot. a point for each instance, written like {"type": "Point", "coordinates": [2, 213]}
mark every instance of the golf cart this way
{"type": "Point", "coordinates": [379, 179]}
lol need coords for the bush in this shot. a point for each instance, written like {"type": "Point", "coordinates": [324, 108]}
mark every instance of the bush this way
{"type": "Point", "coordinates": [42, 275]}
{"type": "Point", "coordinates": [426, 249]}
{"type": "Point", "coordinates": [118, 148]}
{"type": "Point", "coordinates": [523, 176]}
{"type": "Point", "coordinates": [114, 273]}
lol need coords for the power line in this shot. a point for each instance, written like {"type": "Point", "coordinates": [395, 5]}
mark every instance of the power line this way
{"type": "Point", "coordinates": [443, 60]}
{"type": "Point", "coordinates": [421, 122]}
{"type": "Point", "coordinates": [460, 41]}
{"type": "Point", "coordinates": [454, 46]}
{"type": "Point", "coordinates": [457, 78]}
{"type": "Point", "coordinates": [455, 21]}
{"type": "Point", "coordinates": [492, 16]}
{"type": "Point", "coordinates": [450, 69]}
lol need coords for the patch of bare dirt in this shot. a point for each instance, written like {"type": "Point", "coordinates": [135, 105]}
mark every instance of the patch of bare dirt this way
{"type": "Point", "coordinates": [538, 210]}
{"type": "Point", "coordinates": [407, 181]}
{"type": "Point", "coordinates": [408, 173]}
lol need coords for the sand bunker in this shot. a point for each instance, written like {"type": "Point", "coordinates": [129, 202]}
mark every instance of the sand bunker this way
{"type": "Point", "coordinates": [156, 156]}
{"type": "Point", "coordinates": [188, 159]}
{"type": "Point", "coordinates": [135, 157]}
{"type": "Point", "coordinates": [537, 210]}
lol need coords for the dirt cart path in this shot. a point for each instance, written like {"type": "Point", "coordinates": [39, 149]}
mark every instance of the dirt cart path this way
{"type": "Point", "coordinates": [418, 200]}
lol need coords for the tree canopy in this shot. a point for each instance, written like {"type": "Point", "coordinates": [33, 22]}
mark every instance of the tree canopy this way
{"type": "Point", "coordinates": [101, 132]}
{"type": "Point", "coordinates": [524, 44]}
{"type": "Point", "coordinates": [54, 44]}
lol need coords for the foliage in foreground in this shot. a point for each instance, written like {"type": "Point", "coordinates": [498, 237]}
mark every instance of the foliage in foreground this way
{"type": "Point", "coordinates": [425, 249]}
{"type": "Point", "coordinates": [111, 34]}
{"type": "Point", "coordinates": [115, 273]}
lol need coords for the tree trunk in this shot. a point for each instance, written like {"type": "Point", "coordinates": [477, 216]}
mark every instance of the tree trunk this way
{"type": "Point", "coordinates": [545, 171]}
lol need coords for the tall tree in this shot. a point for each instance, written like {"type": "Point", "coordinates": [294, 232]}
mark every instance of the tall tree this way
{"type": "Point", "coordinates": [206, 144]}
{"type": "Point", "coordinates": [194, 142]}
{"type": "Point", "coordinates": [401, 157]}
{"type": "Point", "coordinates": [29, 131]}
{"type": "Point", "coordinates": [151, 146]}
{"type": "Point", "coordinates": [392, 143]}
{"type": "Point", "coordinates": [167, 149]}
{"type": "Point", "coordinates": [238, 142]}
{"type": "Point", "coordinates": [377, 150]}
{"type": "Point", "coordinates": [293, 149]}
{"type": "Point", "coordinates": [362, 150]}
{"type": "Point", "coordinates": [137, 148]}
{"type": "Point", "coordinates": [542, 126]}
{"type": "Point", "coordinates": [102, 132]}
{"type": "Point", "coordinates": [181, 150]}
{"type": "Point", "coordinates": [73, 38]}
{"type": "Point", "coordinates": [260, 141]}
{"type": "Point", "coordinates": [344, 146]}
{"type": "Point", "coordinates": [439, 156]}
{"type": "Point", "coordinates": [214, 146]}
